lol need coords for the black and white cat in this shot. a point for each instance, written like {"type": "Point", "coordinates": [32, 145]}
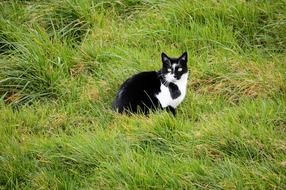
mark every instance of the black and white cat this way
{"type": "Point", "coordinates": [151, 90]}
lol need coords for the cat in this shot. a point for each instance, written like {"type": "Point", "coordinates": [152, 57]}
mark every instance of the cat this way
{"type": "Point", "coordinates": [152, 90]}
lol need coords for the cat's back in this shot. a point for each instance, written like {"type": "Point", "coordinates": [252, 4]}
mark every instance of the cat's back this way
{"type": "Point", "coordinates": [142, 81]}
{"type": "Point", "coordinates": [140, 87]}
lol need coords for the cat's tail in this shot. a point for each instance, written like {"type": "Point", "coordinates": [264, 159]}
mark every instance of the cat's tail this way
{"type": "Point", "coordinates": [114, 105]}
{"type": "Point", "coordinates": [117, 103]}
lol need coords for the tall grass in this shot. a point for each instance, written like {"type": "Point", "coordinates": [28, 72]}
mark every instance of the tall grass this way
{"type": "Point", "coordinates": [61, 63]}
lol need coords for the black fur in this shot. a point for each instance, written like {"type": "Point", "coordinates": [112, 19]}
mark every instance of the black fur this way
{"type": "Point", "coordinates": [174, 90]}
{"type": "Point", "coordinates": [137, 94]}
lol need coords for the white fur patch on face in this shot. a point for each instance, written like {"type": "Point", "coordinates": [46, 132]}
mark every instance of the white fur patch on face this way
{"type": "Point", "coordinates": [174, 66]}
{"type": "Point", "coordinates": [170, 77]}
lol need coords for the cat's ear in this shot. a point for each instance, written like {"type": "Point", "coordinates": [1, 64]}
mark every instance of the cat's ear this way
{"type": "Point", "coordinates": [184, 58]}
{"type": "Point", "coordinates": [165, 60]}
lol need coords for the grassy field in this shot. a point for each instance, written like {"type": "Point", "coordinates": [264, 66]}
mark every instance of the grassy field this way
{"type": "Point", "coordinates": [61, 63]}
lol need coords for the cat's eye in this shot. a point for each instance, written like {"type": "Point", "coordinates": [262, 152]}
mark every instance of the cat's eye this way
{"type": "Point", "coordinates": [169, 70]}
{"type": "Point", "coordinates": [180, 69]}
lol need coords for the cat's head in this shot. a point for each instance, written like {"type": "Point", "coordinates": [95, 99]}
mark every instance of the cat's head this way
{"type": "Point", "coordinates": [174, 68]}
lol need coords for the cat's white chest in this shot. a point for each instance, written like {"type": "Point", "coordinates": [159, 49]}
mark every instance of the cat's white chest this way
{"type": "Point", "coordinates": [165, 98]}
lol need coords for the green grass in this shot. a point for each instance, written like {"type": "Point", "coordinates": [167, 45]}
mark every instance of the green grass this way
{"type": "Point", "coordinates": [61, 63]}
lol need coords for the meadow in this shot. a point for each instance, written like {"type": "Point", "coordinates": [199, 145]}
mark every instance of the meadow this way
{"type": "Point", "coordinates": [61, 63]}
